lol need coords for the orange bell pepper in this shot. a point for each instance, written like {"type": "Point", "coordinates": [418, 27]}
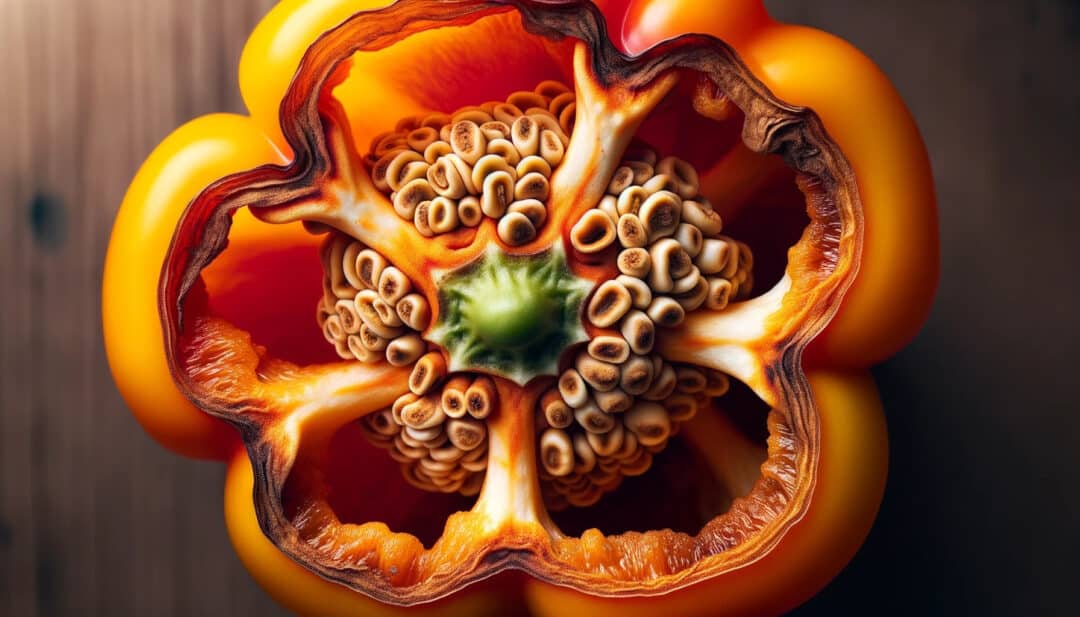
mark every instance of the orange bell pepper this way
{"type": "Point", "coordinates": [881, 310]}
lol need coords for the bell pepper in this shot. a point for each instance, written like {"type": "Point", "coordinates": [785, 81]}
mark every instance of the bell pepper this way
{"type": "Point", "coordinates": [452, 301]}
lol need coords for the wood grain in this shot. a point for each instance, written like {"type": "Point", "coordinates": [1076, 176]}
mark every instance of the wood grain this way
{"type": "Point", "coordinates": [979, 517]}
{"type": "Point", "coordinates": [95, 519]}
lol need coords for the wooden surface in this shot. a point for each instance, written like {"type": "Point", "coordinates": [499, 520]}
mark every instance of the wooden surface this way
{"type": "Point", "coordinates": [95, 519]}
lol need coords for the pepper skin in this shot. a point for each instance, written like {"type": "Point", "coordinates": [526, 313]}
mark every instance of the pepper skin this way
{"type": "Point", "coordinates": [880, 312]}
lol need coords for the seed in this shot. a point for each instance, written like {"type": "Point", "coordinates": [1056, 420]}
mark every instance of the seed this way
{"type": "Point", "coordinates": [609, 206]}
{"type": "Point", "coordinates": [442, 215]}
{"type": "Point", "coordinates": [347, 316]}
{"type": "Point", "coordinates": [453, 396]}
{"type": "Point", "coordinates": [467, 141]}
{"type": "Point", "coordinates": [526, 135]}
{"type": "Point", "coordinates": [404, 349]}
{"type": "Point", "coordinates": [640, 294]}
{"type": "Point", "coordinates": [419, 139]}
{"type": "Point", "coordinates": [495, 130]}
{"type": "Point", "coordinates": [369, 267]}
{"type": "Point", "coordinates": [405, 167]}
{"type": "Point", "coordinates": [556, 452]}
{"type": "Point", "coordinates": [683, 173]}
{"type": "Point", "coordinates": [357, 350]}
{"type": "Point", "coordinates": [469, 212]}
{"type": "Point", "coordinates": [506, 112]}
{"type": "Point", "coordinates": [608, 304]}
{"type": "Point", "coordinates": [649, 422]}
{"type": "Point", "coordinates": [533, 165]}
{"type": "Point", "coordinates": [639, 331]}
{"type": "Point", "coordinates": [716, 383]}
{"type": "Point", "coordinates": [498, 192]}
{"type": "Point", "coordinates": [614, 401]}
{"type": "Point", "coordinates": [689, 238]}
{"type": "Point", "coordinates": [631, 232]}
{"type": "Point", "coordinates": [466, 433]}
{"type": "Point", "coordinates": [365, 307]}
{"type": "Point", "coordinates": [515, 229]}
{"type": "Point", "coordinates": [634, 262]}
{"type": "Point", "coordinates": [681, 407]}
{"type": "Point", "coordinates": [423, 413]}
{"type": "Point", "coordinates": [636, 375]}
{"type": "Point", "coordinates": [400, 403]}
{"type": "Point", "coordinates": [600, 375]}
{"type": "Point", "coordinates": [714, 256]}
{"type": "Point", "coordinates": [558, 100]}
{"type": "Point", "coordinates": [420, 219]}
{"type": "Point", "coordinates": [666, 312]}
{"type": "Point", "coordinates": [473, 114]}
{"type": "Point", "coordinates": [445, 179]}
{"type": "Point", "coordinates": [609, 349]}
{"type": "Point", "coordinates": [429, 437]}
{"type": "Point", "coordinates": [551, 147]}
{"type": "Point", "coordinates": [689, 379]}
{"type": "Point", "coordinates": [572, 388]}
{"type": "Point", "coordinates": [348, 264]}
{"type": "Point", "coordinates": [333, 254]}
{"type": "Point", "coordinates": [687, 282]}
{"type": "Point", "coordinates": [702, 216]}
{"type": "Point", "coordinates": [393, 285]}
{"type": "Point", "coordinates": [663, 385]}
{"type": "Point", "coordinates": [593, 233]}
{"type": "Point", "coordinates": [370, 340]}
{"type": "Point", "coordinates": [437, 469]}
{"type": "Point", "coordinates": [481, 398]}
{"type": "Point", "coordinates": [586, 457]}
{"type": "Point", "coordinates": [630, 200]}
{"type": "Point", "coordinates": [428, 371]}
{"type": "Point", "coordinates": [660, 182]}
{"type": "Point", "coordinates": [410, 452]}
{"type": "Point", "coordinates": [663, 253]}
{"type": "Point", "coordinates": [501, 148]}
{"type": "Point", "coordinates": [382, 422]}
{"type": "Point", "coordinates": [660, 214]}
{"type": "Point", "coordinates": [642, 170]}
{"type": "Point", "coordinates": [629, 447]}
{"type": "Point", "coordinates": [691, 300]}
{"type": "Point", "coordinates": [621, 180]}
{"type": "Point", "coordinates": [414, 311]}
{"type": "Point", "coordinates": [607, 443]}
{"type": "Point", "coordinates": [446, 454]}
{"type": "Point", "coordinates": [378, 170]}
{"type": "Point", "coordinates": [387, 313]}
{"type": "Point", "coordinates": [412, 195]}
{"type": "Point", "coordinates": [567, 118]}
{"type": "Point", "coordinates": [719, 293]}
{"type": "Point", "coordinates": [532, 185]}
{"type": "Point", "coordinates": [533, 209]}
{"type": "Point", "coordinates": [557, 413]}
{"type": "Point", "coordinates": [637, 465]}
{"type": "Point", "coordinates": [436, 150]}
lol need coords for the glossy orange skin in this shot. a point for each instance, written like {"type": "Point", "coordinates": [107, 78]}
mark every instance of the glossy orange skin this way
{"type": "Point", "coordinates": [885, 307]}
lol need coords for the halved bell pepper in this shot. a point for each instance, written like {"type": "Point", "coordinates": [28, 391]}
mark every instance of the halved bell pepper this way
{"type": "Point", "coordinates": [558, 307]}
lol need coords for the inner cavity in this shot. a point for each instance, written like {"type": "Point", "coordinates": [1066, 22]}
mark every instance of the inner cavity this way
{"type": "Point", "coordinates": [356, 483]}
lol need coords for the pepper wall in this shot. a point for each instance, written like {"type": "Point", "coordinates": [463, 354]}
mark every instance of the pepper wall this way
{"type": "Point", "coordinates": [979, 513]}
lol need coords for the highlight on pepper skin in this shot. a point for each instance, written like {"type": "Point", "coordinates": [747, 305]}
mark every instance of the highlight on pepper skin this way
{"type": "Point", "coordinates": [487, 299]}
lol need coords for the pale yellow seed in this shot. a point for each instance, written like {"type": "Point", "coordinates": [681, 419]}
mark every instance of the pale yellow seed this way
{"type": "Point", "coordinates": [639, 331]}
{"type": "Point", "coordinates": [533, 209]}
{"type": "Point", "coordinates": [649, 422]}
{"type": "Point", "coordinates": [611, 349]}
{"type": "Point", "coordinates": [556, 452]}
{"type": "Point", "coordinates": [640, 294]}
{"type": "Point", "coordinates": [572, 388]}
{"type": "Point", "coordinates": [593, 233]}
{"type": "Point", "coordinates": [414, 311]}
{"type": "Point", "coordinates": [404, 350]}
{"type": "Point", "coordinates": [515, 229]}
{"type": "Point", "coordinates": [608, 304]}
{"type": "Point", "coordinates": [600, 375]}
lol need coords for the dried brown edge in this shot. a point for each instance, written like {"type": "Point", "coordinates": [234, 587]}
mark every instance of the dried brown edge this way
{"type": "Point", "coordinates": [831, 247]}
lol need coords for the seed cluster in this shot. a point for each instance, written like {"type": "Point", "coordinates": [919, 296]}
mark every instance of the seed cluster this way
{"type": "Point", "coordinates": [618, 402]}
{"type": "Point", "coordinates": [495, 160]}
{"type": "Point", "coordinates": [436, 430]}
{"type": "Point", "coordinates": [368, 310]}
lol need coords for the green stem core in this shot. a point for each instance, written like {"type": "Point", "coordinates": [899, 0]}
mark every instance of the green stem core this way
{"type": "Point", "coordinates": [510, 315]}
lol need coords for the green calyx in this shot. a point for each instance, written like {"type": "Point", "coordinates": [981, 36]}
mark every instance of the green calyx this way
{"type": "Point", "coordinates": [510, 315]}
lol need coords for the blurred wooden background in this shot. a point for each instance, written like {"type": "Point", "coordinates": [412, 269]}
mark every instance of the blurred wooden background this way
{"type": "Point", "coordinates": [95, 519]}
